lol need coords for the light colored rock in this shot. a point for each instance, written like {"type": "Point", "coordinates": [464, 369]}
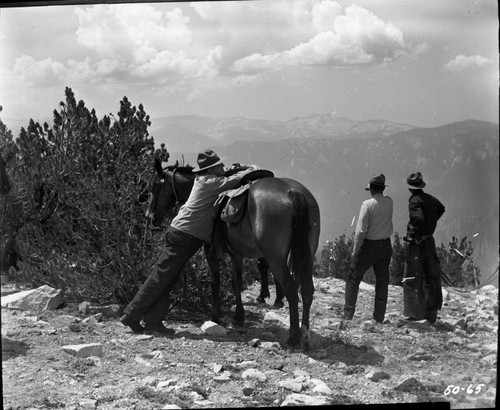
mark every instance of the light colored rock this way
{"type": "Point", "coordinates": [420, 356]}
{"type": "Point", "coordinates": [492, 347]}
{"type": "Point", "coordinates": [171, 407]}
{"type": "Point", "coordinates": [301, 373]}
{"type": "Point", "coordinates": [110, 310]}
{"type": "Point", "coordinates": [376, 375]}
{"type": "Point", "coordinates": [245, 364]}
{"type": "Point", "coordinates": [149, 380]}
{"type": "Point", "coordinates": [84, 350]}
{"type": "Point", "coordinates": [270, 346]}
{"type": "Point", "coordinates": [141, 338]}
{"type": "Point", "coordinates": [213, 329]}
{"type": "Point", "coordinates": [254, 343]}
{"type": "Point", "coordinates": [366, 286]}
{"type": "Point", "coordinates": [85, 307]}
{"type": "Point", "coordinates": [491, 359]}
{"type": "Point", "coordinates": [87, 403]}
{"type": "Point", "coordinates": [319, 386]}
{"type": "Point", "coordinates": [446, 294]}
{"type": "Point", "coordinates": [297, 399]}
{"type": "Point", "coordinates": [489, 289]}
{"type": "Point", "coordinates": [42, 298]}
{"type": "Point", "coordinates": [167, 383]}
{"type": "Point", "coordinates": [293, 385]}
{"type": "Point", "coordinates": [409, 384]}
{"type": "Point", "coordinates": [222, 378]}
{"type": "Point", "coordinates": [254, 374]}
{"type": "Point", "coordinates": [273, 319]}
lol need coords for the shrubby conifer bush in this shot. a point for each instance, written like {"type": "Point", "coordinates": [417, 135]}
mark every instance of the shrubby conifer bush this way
{"type": "Point", "coordinates": [80, 184]}
{"type": "Point", "coordinates": [76, 213]}
{"type": "Point", "coordinates": [459, 267]}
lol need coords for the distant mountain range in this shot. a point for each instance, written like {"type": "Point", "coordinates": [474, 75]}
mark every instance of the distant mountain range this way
{"type": "Point", "coordinates": [193, 133]}
{"type": "Point", "coordinates": [335, 157]}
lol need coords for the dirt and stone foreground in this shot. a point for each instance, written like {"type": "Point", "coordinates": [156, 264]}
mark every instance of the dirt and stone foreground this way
{"type": "Point", "coordinates": [81, 357]}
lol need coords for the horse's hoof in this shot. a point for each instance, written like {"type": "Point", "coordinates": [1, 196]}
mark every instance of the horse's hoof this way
{"type": "Point", "coordinates": [306, 347]}
{"type": "Point", "coordinates": [260, 299]}
{"type": "Point", "coordinates": [278, 305]}
{"type": "Point", "coordinates": [293, 344]}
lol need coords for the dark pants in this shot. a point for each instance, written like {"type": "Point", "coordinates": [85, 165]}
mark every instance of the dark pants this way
{"type": "Point", "coordinates": [423, 296]}
{"type": "Point", "coordinates": [152, 299]}
{"type": "Point", "coordinates": [372, 253]}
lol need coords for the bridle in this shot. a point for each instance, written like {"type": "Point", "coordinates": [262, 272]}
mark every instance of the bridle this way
{"type": "Point", "coordinates": [177, 201]}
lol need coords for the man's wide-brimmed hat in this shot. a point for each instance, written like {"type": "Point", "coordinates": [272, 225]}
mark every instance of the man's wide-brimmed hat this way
{"type": "Point", "coordinates": [207, 159]}
{"type": "Point", "coordinates": [415, 181]}
{"type": "Point", "coordinates": [376, 181]}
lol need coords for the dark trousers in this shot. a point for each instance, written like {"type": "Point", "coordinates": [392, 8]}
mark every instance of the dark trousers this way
{"type": "Point", "coordinates": [152, 300]}
{"type": "Point", "coordinates": [372, 253]}
{"type": "Point", "coordinates": [423, 295]}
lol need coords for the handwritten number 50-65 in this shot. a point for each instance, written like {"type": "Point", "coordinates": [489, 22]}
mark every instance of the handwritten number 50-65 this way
{"type": "Point", "coordinates": [451, 389]}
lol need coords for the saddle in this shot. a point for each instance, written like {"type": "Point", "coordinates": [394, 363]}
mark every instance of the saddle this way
{"type": "Point", "coordinates": [230, 204]}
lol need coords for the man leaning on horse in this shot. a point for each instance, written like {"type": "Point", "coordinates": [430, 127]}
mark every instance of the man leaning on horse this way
{"type": "Point", "coordinates": [189, 230]}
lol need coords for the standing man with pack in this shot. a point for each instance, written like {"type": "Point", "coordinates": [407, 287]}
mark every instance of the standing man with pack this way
{"type": "Point", "coordinates": [372, 247]}
{"type": "Point", "coordinates": [422, 278]}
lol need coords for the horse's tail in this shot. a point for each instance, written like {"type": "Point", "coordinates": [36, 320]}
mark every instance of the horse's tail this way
{"type": "Point", "coordinates": [300, 254]}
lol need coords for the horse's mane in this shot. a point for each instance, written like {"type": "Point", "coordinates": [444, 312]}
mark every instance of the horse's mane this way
{"type": "Point", "coordinates": [186, 169]}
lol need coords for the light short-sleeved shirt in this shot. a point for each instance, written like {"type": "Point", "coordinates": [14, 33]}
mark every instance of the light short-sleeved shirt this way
{"type": "Point", "coordinates": [194, 217]}
{"type": "Point", "coordinates": [375, 220]}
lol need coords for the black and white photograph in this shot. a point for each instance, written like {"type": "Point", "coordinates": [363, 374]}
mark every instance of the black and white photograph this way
{"type": "Point", "coordinates": [249, 203]}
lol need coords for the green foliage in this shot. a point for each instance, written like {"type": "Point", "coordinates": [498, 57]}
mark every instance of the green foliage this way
{"type": "Point", "coordinates": [335, 260]}
{"type": "Point", "coordinates": [457, 262]}
{"type": "Point", "coordinates": [78, 183]}
{"type": "Point", "coordinates": [397, 267]}
{"type": "Point", "coordinates": [76, 214]}
{"type": "Point", "coordinates": [194, 291]}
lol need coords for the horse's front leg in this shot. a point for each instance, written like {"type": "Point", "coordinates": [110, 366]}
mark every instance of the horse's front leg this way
{"type": "Point", "coordinates": [239, 314]}
{"type": "Point", "coordinates": [264, 280]}
{"type": "Point", "coordinates": [264, 285]}
{"type": "Point", "coordinates": [214, 257]}
{"type": "Point", "coordinates": [278, 302]}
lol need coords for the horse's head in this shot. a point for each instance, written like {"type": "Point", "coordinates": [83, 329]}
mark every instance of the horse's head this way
{"type": "Point", "coordinates": [161, 201]}
{"type": "Point", "coordinates": [167, 193]}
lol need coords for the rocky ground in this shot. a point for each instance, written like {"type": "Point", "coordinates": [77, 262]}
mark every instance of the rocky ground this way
{"type": "Point", "coordinates": [453, 361]}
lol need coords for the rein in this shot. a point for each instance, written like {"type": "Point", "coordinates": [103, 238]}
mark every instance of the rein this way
{"type": "Point", "coordinates": [177, 201]}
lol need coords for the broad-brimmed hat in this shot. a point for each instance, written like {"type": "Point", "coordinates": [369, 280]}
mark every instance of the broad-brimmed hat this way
{"type": "Point", "coordinates": [415, 181]}
{"type": "Point", "coordinates": [377, 181]}
{"type": "Point", "coordinates": [207, 159]}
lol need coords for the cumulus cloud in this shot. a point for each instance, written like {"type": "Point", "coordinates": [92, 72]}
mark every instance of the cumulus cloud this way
{"type": "Point", "coordinates": [462, 62]}
{"type": "Point", "coordinates": [150, 43]}
{"type": "Point", "coordinates": [357, 37]}
{"type": "Point", "coordinates": [128, 42]}
{"type": "Point", "coordinates": [39, 73]}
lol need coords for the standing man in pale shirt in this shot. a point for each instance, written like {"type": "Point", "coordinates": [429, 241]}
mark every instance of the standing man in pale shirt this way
{"type": "Point", "coordinates": [372, 247]}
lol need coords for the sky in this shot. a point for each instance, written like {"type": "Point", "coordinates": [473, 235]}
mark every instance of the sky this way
{"type": "Point", "coordinates": [426, 63]}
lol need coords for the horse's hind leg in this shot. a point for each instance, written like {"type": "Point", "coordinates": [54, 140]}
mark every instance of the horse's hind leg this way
{"type": "Point", "coordinates": [282, 275]}
{"type": "Point", "coordinates": [239, 314]}
{"type": "Point", "coordinates": [264, 280]}
{"type": "Point", "coordinates": [307, 291]}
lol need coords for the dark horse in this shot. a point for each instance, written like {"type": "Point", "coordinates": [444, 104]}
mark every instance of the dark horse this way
{"type": "Point", "coordinates": [281, 224]}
